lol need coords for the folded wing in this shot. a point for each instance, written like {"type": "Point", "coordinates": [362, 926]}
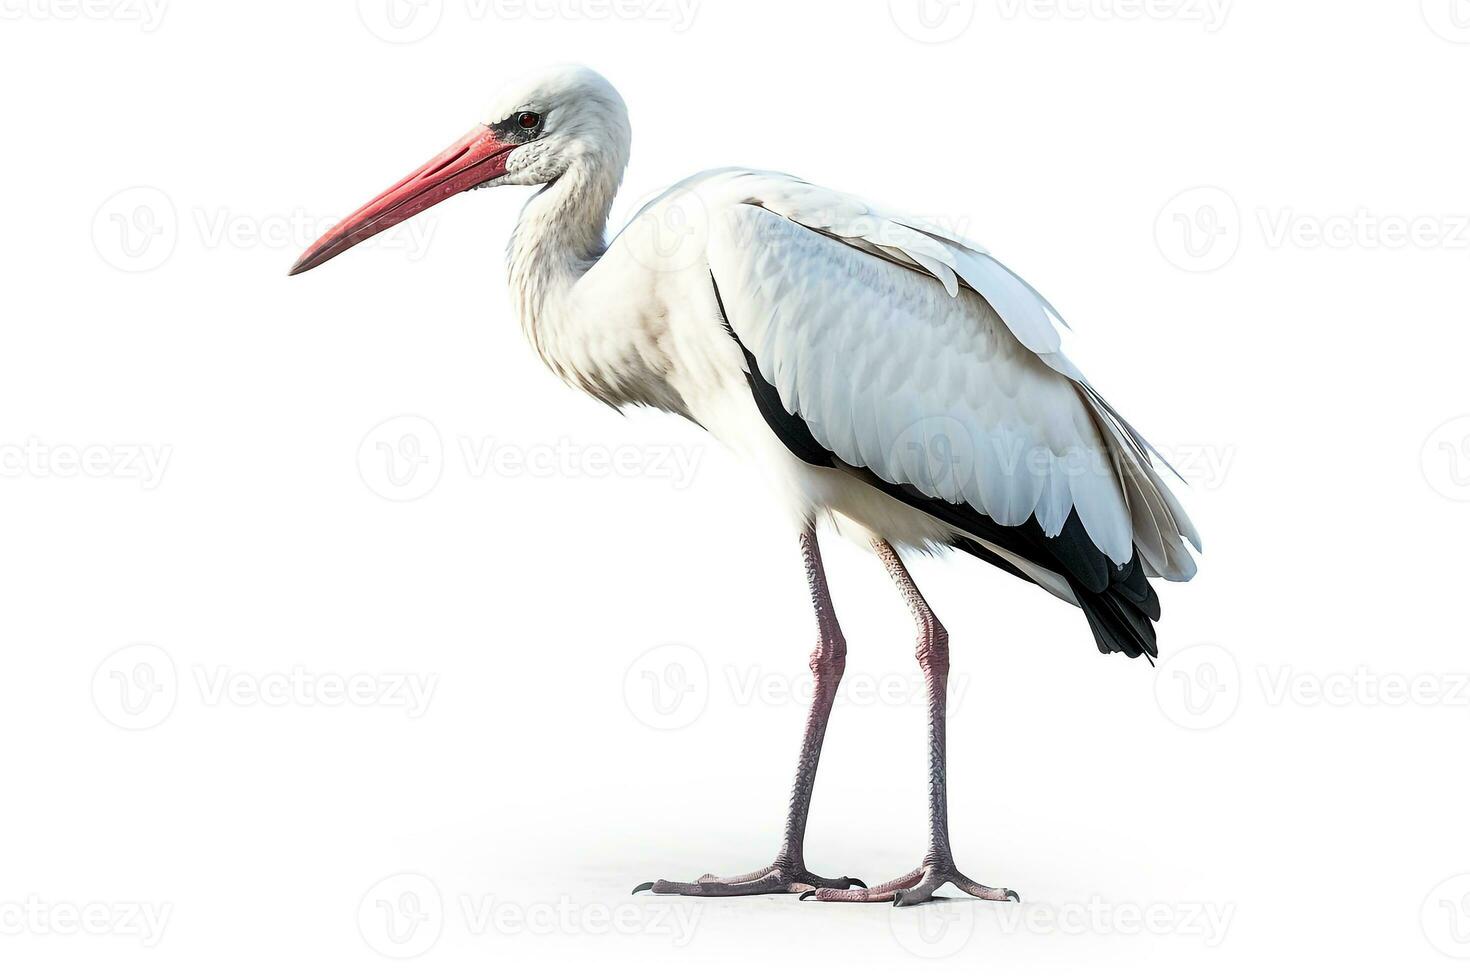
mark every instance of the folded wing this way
{"type": "Point", "coordinates": [917, 356]}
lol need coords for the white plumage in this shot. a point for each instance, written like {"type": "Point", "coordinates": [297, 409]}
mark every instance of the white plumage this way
{"type": "Point", "coordinates": [863, 323]}
{"type": "Point", "coordinates": [872, 367]}
{"type": "Point", "coordinates": [916, 358]}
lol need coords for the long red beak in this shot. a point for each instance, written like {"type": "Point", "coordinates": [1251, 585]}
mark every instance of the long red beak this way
{"type": "Point", "coordinates": [474, 159]}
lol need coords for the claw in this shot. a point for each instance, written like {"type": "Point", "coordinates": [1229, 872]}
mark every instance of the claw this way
{"type": "Point", "coordinates": [646, 886]}
{"type": "Point", "coordinates": [806, 895]}
{"type": "Point", "coordinates": [1012, 895]}
{"type": "Point", "coordinates": [855, 883]}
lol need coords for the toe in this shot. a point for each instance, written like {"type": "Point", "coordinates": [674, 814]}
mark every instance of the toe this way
{"type": "Point", "coordinates": [985, 892]}
{"type": "Point", "coordinates": [918, 893]}
{"type": "Point", "coordinates": [833, 895]}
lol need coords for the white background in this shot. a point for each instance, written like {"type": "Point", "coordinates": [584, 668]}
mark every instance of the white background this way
{"type": "Point", "coordinates": [1270, 796]}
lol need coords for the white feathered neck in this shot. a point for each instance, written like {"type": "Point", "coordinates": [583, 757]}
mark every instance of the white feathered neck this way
{"type": "Point", "coordinates": [561, 234]}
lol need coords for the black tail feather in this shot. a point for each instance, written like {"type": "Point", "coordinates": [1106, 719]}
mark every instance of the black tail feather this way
{"type": "Point", "coordinates": [1121, 613]}
{"type": "Point", "coordinates": [1118, 623]}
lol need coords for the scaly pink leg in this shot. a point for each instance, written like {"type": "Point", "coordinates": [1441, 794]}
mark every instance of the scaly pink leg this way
{"type": "Point", "coordinates": [937, 867]}
{"type": "Point", "coordinates": [788, 872]}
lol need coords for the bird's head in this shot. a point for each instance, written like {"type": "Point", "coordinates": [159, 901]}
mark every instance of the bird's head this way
{"type": "Point", "coordinates": [537, 130]}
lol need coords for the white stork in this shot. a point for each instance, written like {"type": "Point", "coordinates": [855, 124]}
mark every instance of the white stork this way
{"type": "Point", "coordinates": [831, 344]}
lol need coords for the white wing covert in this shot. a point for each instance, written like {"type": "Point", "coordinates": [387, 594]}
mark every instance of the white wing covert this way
{"type": "Point", "coordinates": [863, 325]}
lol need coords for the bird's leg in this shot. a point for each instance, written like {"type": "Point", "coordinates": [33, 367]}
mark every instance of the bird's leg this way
{"type": "Point", "coordinates": [788, 872]}
{"type": "Point", "coordinates": [938, 864]}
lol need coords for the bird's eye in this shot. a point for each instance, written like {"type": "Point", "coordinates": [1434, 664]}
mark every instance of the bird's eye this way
{"type": "Point", "coordinates": [528, 120]}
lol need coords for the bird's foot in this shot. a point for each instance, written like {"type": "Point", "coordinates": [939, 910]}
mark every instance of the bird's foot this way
{"type": "Point", "coordinates": [914, 888]}
{"type": "Point", "coordinates": [781, 877]}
